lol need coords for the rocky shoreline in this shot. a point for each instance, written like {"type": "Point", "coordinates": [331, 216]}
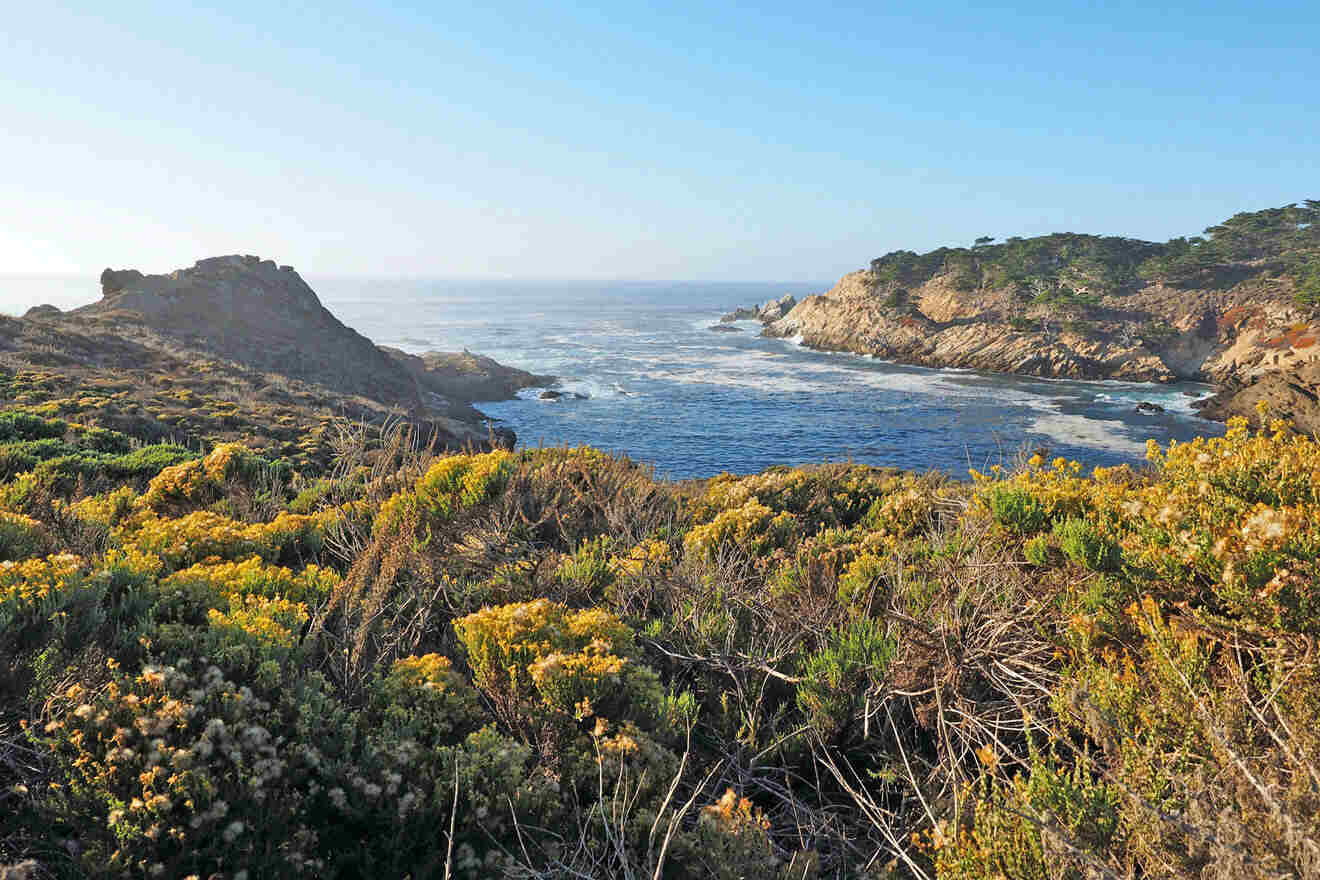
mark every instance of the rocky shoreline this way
{"type": "Point", "coordinates": [1251, 340]}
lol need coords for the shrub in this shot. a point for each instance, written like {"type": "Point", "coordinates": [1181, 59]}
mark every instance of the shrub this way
{"type": "Point", "coordinates": [1017, 509]}
{"type": "Point", "coordinates": [458, 482]}
{"type": "Point", "coordinates": [836, 677]}
{"type": "Point", "coordinates": [20, 537]}
{"type": "Point", "coordinates": [1082, 543]}
{"type": "Point", "coordinates": [531, 657]}
{"type": "Point", "coordinates": [17, 425]}
{"type": "Point", "coordinates": [1037, 550]}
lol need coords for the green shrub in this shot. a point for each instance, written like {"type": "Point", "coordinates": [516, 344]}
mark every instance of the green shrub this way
{"type": "Point", "coordinates": [25, 426]}
{"type": "Point", "coordinates": [20, 537]}
{"type": "Point", "coordinates": [1017, 509]}
{"type": "Point", "coordinates": [1082, 543]}
{"type": "Point", "coordinates": [837, 676]}
{"type": "Point", "coordinates": [1037, 550]}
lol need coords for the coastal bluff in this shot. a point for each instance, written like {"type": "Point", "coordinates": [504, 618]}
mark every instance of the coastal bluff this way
{"type": "Point", "coordinates": [1239, 309]}
{"type": "Point", "coordinates": [239, 348]}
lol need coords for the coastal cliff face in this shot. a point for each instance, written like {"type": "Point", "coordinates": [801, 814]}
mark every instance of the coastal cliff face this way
{"type": "Point", "coordinates": [1233, 308]}
{"type": "Point", "coordinates": [1155, 334]}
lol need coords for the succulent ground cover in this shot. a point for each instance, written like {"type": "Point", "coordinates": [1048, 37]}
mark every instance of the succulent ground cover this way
{"type": "Point", "coordinates": [386, 661]}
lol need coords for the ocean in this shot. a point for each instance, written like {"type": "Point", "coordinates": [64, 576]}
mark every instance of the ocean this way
{"type": "Point", "coordinates": [661, 387]}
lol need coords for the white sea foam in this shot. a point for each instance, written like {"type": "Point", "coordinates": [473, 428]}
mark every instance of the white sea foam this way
{"type": "Point", "coordinates": [1076, 430]}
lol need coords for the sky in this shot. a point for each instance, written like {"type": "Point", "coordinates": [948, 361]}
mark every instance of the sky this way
{"type": "Point", "coordinates": [721, 141]}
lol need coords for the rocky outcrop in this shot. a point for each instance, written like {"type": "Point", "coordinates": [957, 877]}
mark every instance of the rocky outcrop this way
{"type": "Point", "coordinates": [45, 310]}
{"type": "Point", "coordinates": [262, 318]}
{"type": "Point", "coordinates": [453, 380]}
{"type": "Point", "coordinates": [249, 310]}
{"type": "Point", "coordinates": [1156, 334]}
{"type": "Point", "coordinates": [1292, 394]}
{"type": "Point", "coordinates": [771, 310]}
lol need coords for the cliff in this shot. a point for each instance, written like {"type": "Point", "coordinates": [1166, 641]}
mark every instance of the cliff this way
{"type": "Point", "coordinates": [1224, 309]}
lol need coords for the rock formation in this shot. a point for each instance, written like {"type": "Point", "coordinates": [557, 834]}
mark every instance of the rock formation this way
{"type": "Point", "coordinates": [249, 310]}
{"type": "Point", "coordinates": [253, 333]}
{"type": "Point", "coordinates": [771, 310]}
{"type": "Point", "coordinates": [1292, 394]}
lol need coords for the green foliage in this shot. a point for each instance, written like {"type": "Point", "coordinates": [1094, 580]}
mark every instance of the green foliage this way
{"type": "Point", "coordinates": [1018, 826]}
{"type": "Point", "coordinates": [1082, 543]}
{"type": "Point", "coordinates": [18, 426]}
{"type": "Point", "coordinates": [1037, 550]}
{"type": "Point", "coordinates": [1157, 333]}
{"type": "Point", "coordinates": [836, 677]}
{"type": "Point", "coordinates": [1017, 510]}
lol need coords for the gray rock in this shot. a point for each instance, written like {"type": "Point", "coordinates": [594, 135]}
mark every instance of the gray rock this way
{"type": "Point", "coordinates": [724, 328]}
{"type": "Point", "coordinates": [45, 310]}
{"type": "Point", "coordinates": [1149, 408]}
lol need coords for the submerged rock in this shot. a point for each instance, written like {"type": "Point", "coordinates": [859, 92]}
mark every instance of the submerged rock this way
{"type": "Point", "coordinates": [1149, 408]}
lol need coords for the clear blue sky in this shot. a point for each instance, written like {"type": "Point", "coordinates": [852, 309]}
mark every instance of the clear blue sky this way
{"type": "Point", "coordinates": [788, 141]}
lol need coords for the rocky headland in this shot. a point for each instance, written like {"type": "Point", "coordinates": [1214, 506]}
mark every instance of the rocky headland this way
{"type": "Point", "coordinates": [238, 348]}
{"type": "Point", "coordinates": [1237, 309]}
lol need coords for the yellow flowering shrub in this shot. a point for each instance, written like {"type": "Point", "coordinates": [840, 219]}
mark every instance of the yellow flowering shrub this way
{"type": "Point", "coordinates": [33, 581]}
{"type": "Point", "coordinates": [752, 528]}
{"type": "Point", "coordinates": [422, 697]}
{"type": "Point", "coordinates": [106, 510]}
{"type": "Point", "coordinates": [255, 577]}
{"type": "Point", "coordinates": [648, 556]}
{"type": "Point", "coordinates": [829, 495]}
{"type": "Point", "coordinates": [732, 840]}
{"type": "Point", "coordinates": [533, 657]}
{"type": "Point", "coordinates": [272, 624]}
{"type": "Point", "coordinates": [198, 482]}
{"type": "Point", "coordinates": [203, 534]}
{"type": "Point", "coordinates": [458, 482]}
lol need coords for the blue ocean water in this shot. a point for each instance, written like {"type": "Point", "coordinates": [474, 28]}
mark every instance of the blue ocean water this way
{"type": "Point", "coordinates": [665, 389]}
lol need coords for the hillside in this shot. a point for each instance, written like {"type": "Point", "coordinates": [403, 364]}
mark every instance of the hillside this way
{"type": "Point", "coordinates": [236, 349]}
{"type": "Point", "coordinates": [548, 664]}
{"type": "Point", "coordinates": [1225, 308]}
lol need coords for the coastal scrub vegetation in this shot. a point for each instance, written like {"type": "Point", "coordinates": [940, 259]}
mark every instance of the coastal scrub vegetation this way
{"type": "Point", "coordinates": [550, 664]}
{"type": "Point", "coordinates": [1068, 268]}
